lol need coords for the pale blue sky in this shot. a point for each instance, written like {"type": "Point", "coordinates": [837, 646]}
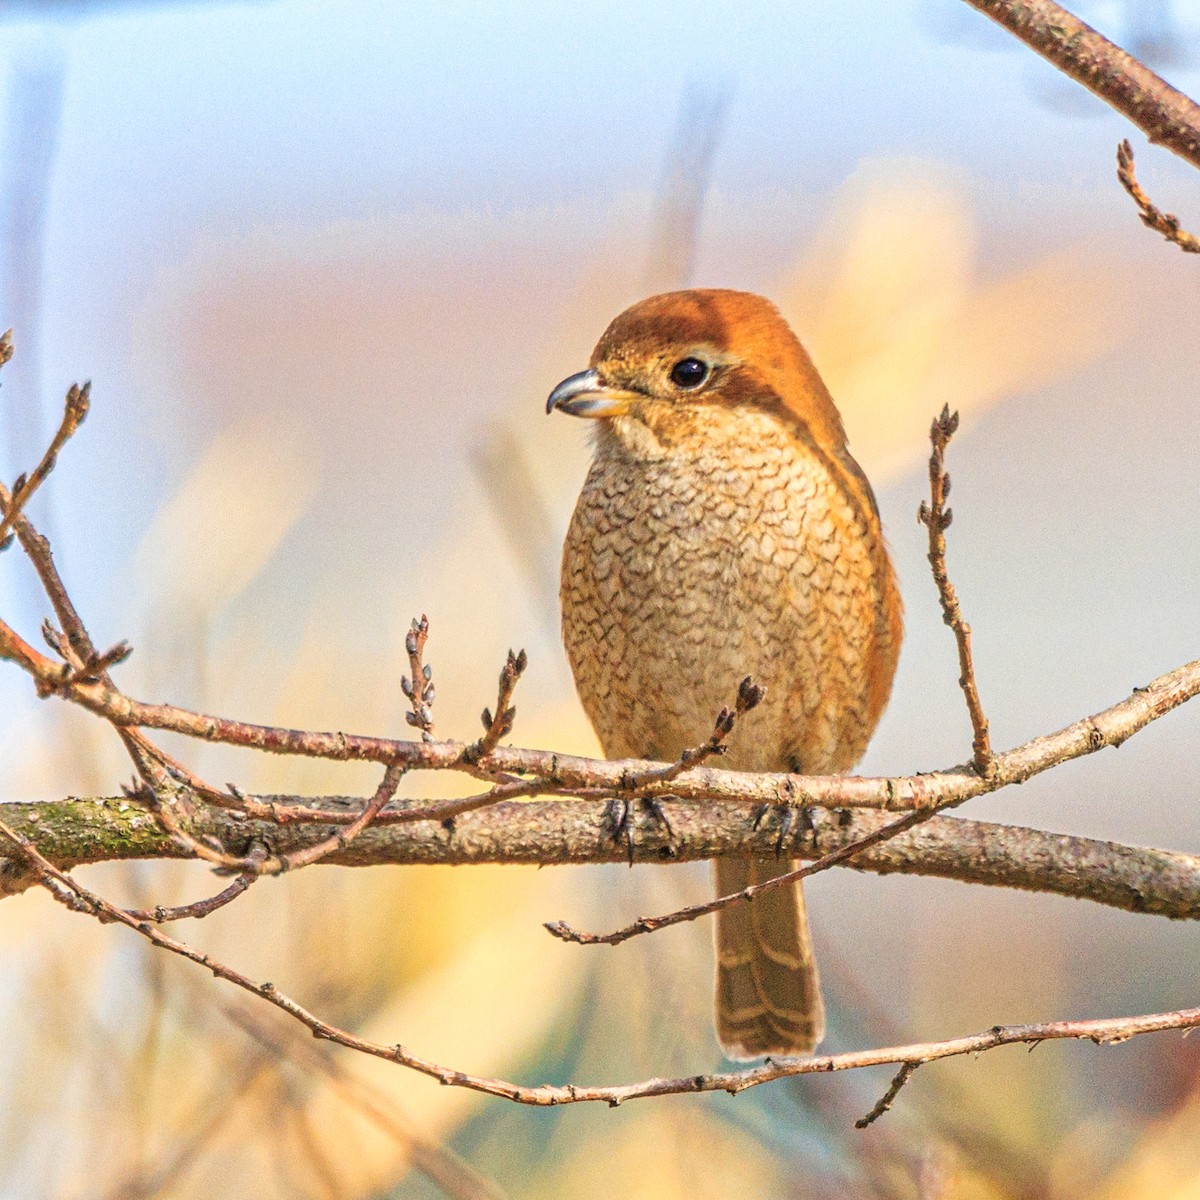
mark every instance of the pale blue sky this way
{"type": "Point", "coordinates": [198, 121]}
{"type": "Point", "coordinates": [182, 116]}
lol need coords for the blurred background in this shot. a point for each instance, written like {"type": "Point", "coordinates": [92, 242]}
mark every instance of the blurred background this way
{"type": "Point", "coordinates": [322, 264]}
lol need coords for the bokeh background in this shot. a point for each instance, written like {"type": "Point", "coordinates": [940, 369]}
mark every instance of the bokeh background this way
{"type": "Point", "coordinates": [322, 264]}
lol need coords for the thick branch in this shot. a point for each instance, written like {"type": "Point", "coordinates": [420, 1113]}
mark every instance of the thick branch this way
{"type": "Point", "coordinates": [80, 831]}
{"type": "Point", "coordinates": [1165, 115]}
{"type": "Point", "coordinates": [74, 895]}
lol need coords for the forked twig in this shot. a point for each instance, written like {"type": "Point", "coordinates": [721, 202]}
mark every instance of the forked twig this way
{"type": "Point", "coordinates": [936, 517]}
{"type": "Point", "coordinates": [161, 792]}
{"type": "Point", "coordinates": [1152, 216]}
{"type": "Point", "coordinates": [164, 778]}
{"type": "Point", "coordinates": [83, 665]}
{"type": "Point", "coordinates": [74, 671]}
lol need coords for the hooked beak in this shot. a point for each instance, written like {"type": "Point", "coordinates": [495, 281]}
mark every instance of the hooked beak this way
{"type": "Point", "coordinates": [583, 395]}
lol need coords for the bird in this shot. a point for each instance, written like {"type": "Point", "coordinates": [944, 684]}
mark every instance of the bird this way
{"type": "Point", "coordinates": [725, 530]}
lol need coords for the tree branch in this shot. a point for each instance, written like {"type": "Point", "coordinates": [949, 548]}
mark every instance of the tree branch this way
{"type": "Point", "coordinates": [1166, 116]}
{"type": "Point", "coordinates": [76, 897]}
{"type": "Point", "coordinates": [570, 774]}
{"type": "Point", "coordinates": [76, 832]}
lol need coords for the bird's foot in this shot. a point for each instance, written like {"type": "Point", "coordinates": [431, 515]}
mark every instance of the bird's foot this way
{"type": "Point", "coordinates": [619, 817]}
{"type": "Point", "coordinates": [788, 815]}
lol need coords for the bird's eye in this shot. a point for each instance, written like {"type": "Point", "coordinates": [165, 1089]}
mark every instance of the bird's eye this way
{"type": "Point", "coordinates": [689, 373]}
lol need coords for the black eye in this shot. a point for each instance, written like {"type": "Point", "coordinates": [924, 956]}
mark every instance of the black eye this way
{"type": "Point", "coordinates": [689, 373]}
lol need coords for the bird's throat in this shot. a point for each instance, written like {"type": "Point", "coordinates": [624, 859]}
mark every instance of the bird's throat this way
{"type": "Point", "coordinates": [628, 437]}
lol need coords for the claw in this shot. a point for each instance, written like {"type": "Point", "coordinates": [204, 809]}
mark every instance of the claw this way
{"type": "Point", "coordinates": [787, 815]}
{"type": "Point", "coordinates": [619, 817]}
{"type": "Point", "coordinates": [806, 823]}
{"type": "Point", "coordinates": [656, 810]}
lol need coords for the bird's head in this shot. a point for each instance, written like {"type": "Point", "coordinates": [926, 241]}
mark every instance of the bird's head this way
{"type": "Point", "coordinates": [673, 362]}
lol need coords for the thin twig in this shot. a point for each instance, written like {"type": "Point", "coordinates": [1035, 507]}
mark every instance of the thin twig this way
{"type": "Point", "coordinates": [343, 837]}
{"type": "Point", "coordinates": [162, 913]}
{"type": "Point", "coordinates": [937, 517]}
{"type": "Point", "coordinates": [419, 689]}
{"type": "Point", "coordinates": [37, 549]}
{"type": "Point", "coordinates": [293, 811]}
{"type": "Point", "coordinates": [749, 696]}
{"type": "Point", "coordinates": [889, 1097]}
{"type": "Point", "coordinates": [1153, 217]}
{"type": "Point", "coordinates": [501, 724]}
{"type": "Point", "coordinates": [74, 411]}
{"type": "Point", "coordinates": [160, 794]}
{"type": "Point", "coordinates": [1107, 1031]}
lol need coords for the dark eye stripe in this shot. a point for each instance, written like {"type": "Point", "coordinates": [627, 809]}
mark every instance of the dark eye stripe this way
{"type": "Point", "coordinates": [689, 373]}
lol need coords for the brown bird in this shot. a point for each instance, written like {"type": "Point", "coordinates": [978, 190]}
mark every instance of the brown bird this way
{"type": "Point", "coordinates": [724, 530]}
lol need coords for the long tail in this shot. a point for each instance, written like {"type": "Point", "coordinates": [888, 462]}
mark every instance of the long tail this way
{"type": "Point", "coordinates": [768, 993]}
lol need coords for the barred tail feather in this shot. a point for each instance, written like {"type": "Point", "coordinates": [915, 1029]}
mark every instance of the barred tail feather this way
{"type": "Point", "coordinates": [768, 993]}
